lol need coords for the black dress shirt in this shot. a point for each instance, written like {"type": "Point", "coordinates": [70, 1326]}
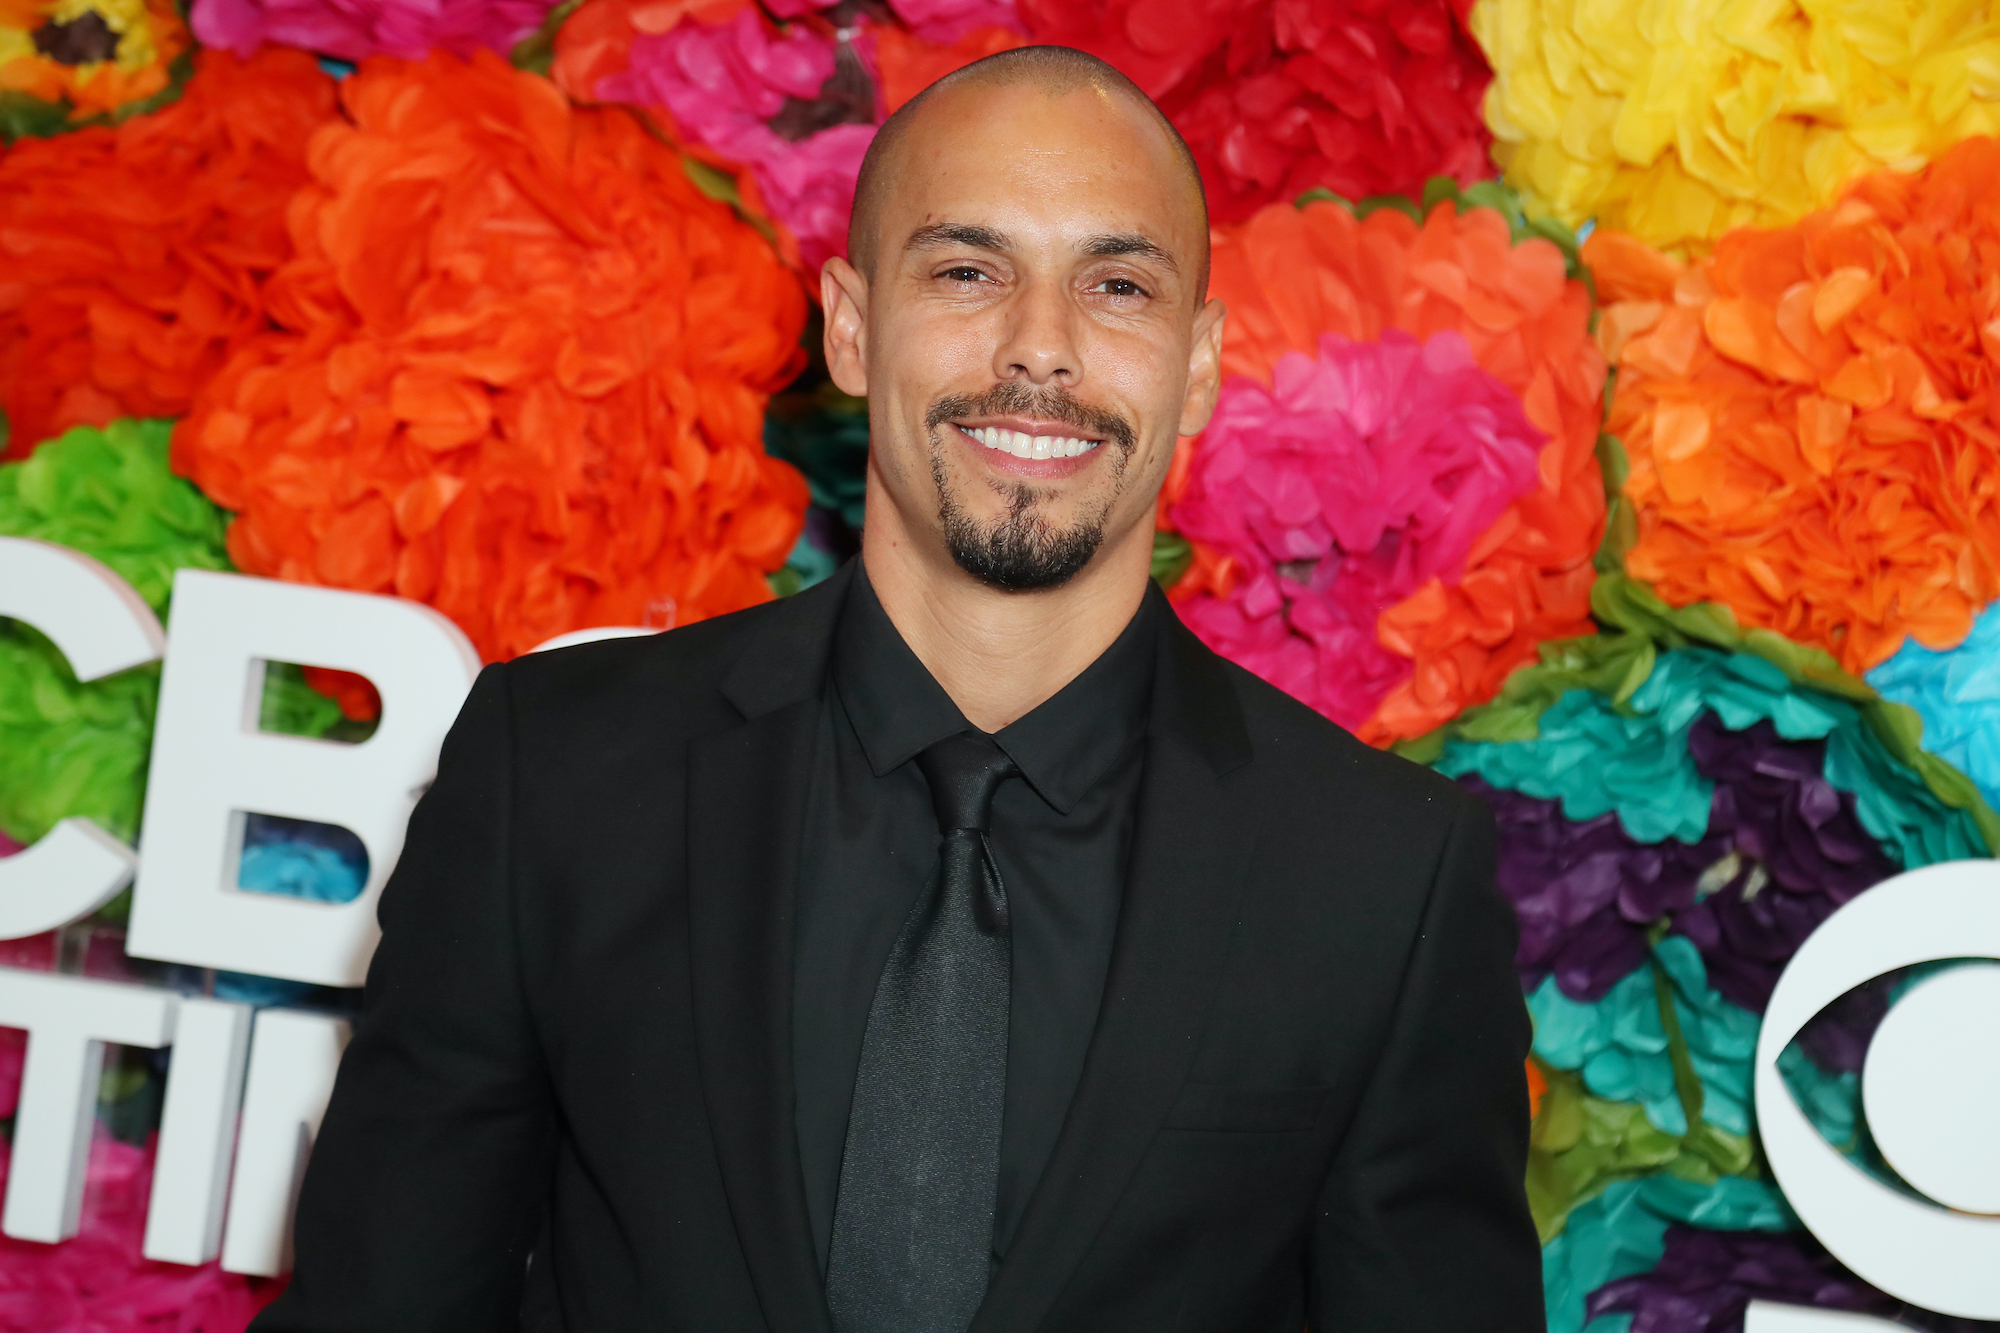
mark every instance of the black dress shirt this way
{"type": "Point", "coordinates": [1061, 837]}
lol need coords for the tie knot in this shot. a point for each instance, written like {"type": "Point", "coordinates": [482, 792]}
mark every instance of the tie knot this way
{"type": "Point", "coordinates": [964, 771]}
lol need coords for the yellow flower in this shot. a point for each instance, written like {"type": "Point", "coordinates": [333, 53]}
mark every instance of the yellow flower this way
{"type": "Point", "coordinates": [1678, 120]}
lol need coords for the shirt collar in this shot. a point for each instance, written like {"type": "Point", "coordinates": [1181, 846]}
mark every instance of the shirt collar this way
{"type": "Point", "coordinates": [1063, 746]}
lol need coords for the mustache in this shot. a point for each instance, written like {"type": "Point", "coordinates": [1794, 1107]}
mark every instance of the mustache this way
{"type": "Point", "coordinates": [1048, 402]}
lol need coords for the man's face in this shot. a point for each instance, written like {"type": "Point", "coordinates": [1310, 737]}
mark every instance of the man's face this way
{"type": "Point", "coordinates": [1031, 340]}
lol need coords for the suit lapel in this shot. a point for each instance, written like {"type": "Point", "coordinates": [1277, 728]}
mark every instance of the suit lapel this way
{"type": "Point", "coordinates": [1194, 836]}
{"type": "Point", "coordinates": [747, 790]}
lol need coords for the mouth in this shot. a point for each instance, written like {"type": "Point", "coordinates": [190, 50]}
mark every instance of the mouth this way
{"type": "Point", "coordinates": [1028, 443]}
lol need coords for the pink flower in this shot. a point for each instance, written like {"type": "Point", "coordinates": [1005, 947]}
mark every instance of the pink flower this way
{"type": "Point", "coordinates": [355, 29]}
{"type": "Point", "coordinates": [1358, 478]}
{"type": "Point", "coordinates": [99, 1283]}
{"type": "Point", "coordinates": [798, 109]}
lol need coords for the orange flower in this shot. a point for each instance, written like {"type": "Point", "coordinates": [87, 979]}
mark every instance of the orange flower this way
{"type": "Point", "coordinates": [1290, 274]}
{"type": "Point", "coordinates": [1809, 412]}
{"type": "Point", "coordinates": [520, 370]}
{"type": "Point", "coordinates": [130, 258]}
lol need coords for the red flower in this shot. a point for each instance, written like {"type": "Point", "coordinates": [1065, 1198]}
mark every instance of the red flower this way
{"type": "Point", "coordinates": [130, 258]}
{"type": "Point", "coordinates": [1276, 97]}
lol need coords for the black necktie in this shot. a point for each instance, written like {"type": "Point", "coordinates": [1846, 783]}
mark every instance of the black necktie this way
{"type": "Point", "coordinates": [913, 1223]}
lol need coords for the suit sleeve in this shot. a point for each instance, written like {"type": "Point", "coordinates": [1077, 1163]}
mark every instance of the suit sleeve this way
{"type": "Point", "coordinates": [1423, 1223]}
{"type": "Point", "coordinates": [430, 1173]}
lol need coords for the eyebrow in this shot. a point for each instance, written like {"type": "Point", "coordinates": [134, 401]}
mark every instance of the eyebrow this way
{"type": "Point", "coordinates": [940, 234]}
{"type": "Point", "coordinates": [1130, 243]}
{"type": "Point", "coordinates": [957, 233]}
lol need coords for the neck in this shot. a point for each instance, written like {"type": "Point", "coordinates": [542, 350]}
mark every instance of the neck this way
{"type": "Point", "coordinates": [999, 654]}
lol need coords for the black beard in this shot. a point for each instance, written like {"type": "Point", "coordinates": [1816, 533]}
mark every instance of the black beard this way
{"type": "Point", "coordinates": [1023, 552]}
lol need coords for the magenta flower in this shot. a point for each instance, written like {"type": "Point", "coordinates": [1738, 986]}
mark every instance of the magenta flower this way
{"type": "Point", "coordinates": [797, 108]}
{"type": "Point", "coordinates": [356, 29]}
{"type": "Point", "coordinates": [1360, 477]}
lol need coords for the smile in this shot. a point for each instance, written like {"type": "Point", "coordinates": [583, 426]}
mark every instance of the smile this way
{"type": "Point", "coordinates": [1029, 446]}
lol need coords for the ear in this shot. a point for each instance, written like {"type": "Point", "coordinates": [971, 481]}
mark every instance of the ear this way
{"type": "Point", "coordinates": [1204, 368]}
{"type": "Point", "coordinates": [843, 295]}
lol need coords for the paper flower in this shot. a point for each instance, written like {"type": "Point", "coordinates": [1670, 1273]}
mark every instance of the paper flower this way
{"type": "Point", "coordinates": [797, 109]}
{"type": "Point", "coordinates": [1807, 413]}
{"type": "Point", "coordinates": [99, 1281]}
{"type": "Point", "coordinates": [1292, 275]}
{"type": "Point", "coordinates": [906, 63]}
{"type": "Point", "coordinates": [1595, 756]}
{"type": "Point", "coordinates": [1704, 1279]}
{"type": "Point", "coordinates": [110, 495]}
{"type": "Point", "coordinates": [1621, 1045]}
{"type": "Point", "coordinates": [132, 256]}
{"type": "Point", "coordinates": [88, 58]}
{"type": "Point", "coordinates": [1796, 851]}
{"type": "Point", "coordinates": [1579, 1144]}
{"type": "Point", "coordinates": [948, 21]}
{"type": "Point", "coordinates": [1362, 97]}
{"type": "Point", "coordinates": [1586, 892]}
{"type": "Point", "coordinates": [81, 749]}
{"type": "Point", "coordinates": [1624, 1230]}
{"type": "Point", "coordinates": [1957, 693]}
{"type": "Point", "coordinates": [1678, 123]}
{"type": "Point", "coordinates": [520, 370]}
{"type": "Point", "coordinates": [356, 29]}
{"type": "Point", "coordinates": [1359, 477]}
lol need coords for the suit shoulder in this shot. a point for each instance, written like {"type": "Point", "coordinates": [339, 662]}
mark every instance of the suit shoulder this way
{"type": "Point", "coordinates": [1306, 748]}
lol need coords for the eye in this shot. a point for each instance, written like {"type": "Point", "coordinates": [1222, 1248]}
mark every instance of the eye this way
{"type": "Point", "coordinates": [1119, 287]}
{"type": "Point", "coordinates": [963, 273]}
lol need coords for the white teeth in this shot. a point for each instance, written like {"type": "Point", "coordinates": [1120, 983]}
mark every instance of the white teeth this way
{"type": "Point", "coordinates": [1030, 446]}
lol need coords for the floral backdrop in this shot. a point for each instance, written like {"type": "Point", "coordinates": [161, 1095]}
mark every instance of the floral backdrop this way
{"type": "Point", "coordinates": [1610, 422]}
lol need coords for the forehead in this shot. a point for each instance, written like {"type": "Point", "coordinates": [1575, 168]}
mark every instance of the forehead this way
{"type": "Point", "coordinates": [1084, 159]}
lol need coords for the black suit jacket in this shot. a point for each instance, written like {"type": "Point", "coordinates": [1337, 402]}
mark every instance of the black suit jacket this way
{"type": "Point", "coordinates": [1303, 1101]}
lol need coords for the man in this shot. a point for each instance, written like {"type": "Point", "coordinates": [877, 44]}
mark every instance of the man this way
{"type": "Point", "coordinates": [958, 944]}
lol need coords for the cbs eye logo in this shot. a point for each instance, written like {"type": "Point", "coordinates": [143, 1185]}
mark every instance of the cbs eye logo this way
{"type": "Point", "coordinates": [1930, 1088]}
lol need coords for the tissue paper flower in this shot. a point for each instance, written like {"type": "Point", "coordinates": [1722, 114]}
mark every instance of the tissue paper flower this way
{"type": "Point", "coordinates": [797, 108]}
{"type": "Point", "coordinates": [1597, 755]}
{"type": "Point", "coordinates": [1585, 892]}
{"type": "Point", "coordinates": [519, 370]}
{"type": "Point", "coordinates": [1362, 97]}
{"type": "Point", "coordinates": [356, 29]}
{"type": "Point", "coordinates": [1360, 476]}
{"type": "Point", "coordinates": [1704, 1280]}
{"type": "Point", "coordinates": [1795, 851]}
{"type": "Point", "coordinates": [89, 57]}
{"type": "Point", "coordinates": [80, 749]}
{"type": "Point", "coordinates": [1809, 413]}
{"type": "Point", "coordinates": [1957, 693]}
{"type": "Point", "coordinates": [99, 1281]}
{"type": "Point", "coordinates": [132, 257]}
{"type": "Point", "coordinates": [1292, 275]}
{"type": "Point", "coordinates": [1623, 1231]}
{"type": "Point", "coordinates": [1621, 1045]}
{"type": "Point", "coordinates": [907, 64]}
{"type": "Point", "coordinates": [110, 495]}
{"type": "Point", "coordinates": [1678, 123]}
{"type": "Point", "coordinates": [945, 22]}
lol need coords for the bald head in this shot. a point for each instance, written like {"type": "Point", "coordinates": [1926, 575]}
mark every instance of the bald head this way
{"type": "Point", "coordinates": [1053, 71]}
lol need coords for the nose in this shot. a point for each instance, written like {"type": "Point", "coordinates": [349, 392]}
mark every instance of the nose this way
{"type": "Point", "coordinates": [1038, 341]}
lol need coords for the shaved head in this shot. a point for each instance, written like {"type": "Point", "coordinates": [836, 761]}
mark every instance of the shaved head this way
{"type": "Point", "coordinates": [1054, 71]}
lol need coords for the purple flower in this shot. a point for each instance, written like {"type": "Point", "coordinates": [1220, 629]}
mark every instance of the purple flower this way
{"type": "Point", "coordinates": [1704, 1280]}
